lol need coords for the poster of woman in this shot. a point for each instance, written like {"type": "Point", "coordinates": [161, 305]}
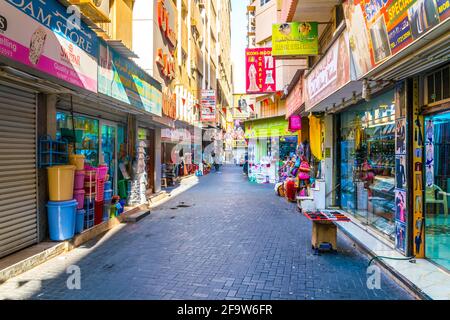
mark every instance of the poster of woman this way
{"type": "Point", "coordinates": [400, 205]}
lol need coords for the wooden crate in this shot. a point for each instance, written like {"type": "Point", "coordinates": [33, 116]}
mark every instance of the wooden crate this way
{"type": "Point", "coordinates": [324, 231]}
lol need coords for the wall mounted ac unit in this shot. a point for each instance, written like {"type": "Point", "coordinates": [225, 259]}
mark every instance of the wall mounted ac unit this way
{"type": "Point", "coordinates": [96, 10]}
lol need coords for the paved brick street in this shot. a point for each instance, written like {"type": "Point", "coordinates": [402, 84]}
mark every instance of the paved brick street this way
{"type": "Point", "coordinates": [229, 239]}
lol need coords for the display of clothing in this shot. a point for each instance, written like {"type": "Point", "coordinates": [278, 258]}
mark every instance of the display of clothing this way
{"type": "Point", "coordinates": [315, 125]}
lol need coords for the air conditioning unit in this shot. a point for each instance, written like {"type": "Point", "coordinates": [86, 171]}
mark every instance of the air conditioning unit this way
{"type": "Point", "coordinates": [96, 10]}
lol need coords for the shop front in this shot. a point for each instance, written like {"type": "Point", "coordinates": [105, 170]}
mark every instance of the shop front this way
{"type": "Point", "coordinates": [436, 166]}
{"type": "Point", "coordinates": [367, 163]}
{"type": "Point", "coordinates": [265, 138]}
{"type": "Point", "coordinates": [100, 141]}
{"type": "Point", "coordinates": [34, 59]}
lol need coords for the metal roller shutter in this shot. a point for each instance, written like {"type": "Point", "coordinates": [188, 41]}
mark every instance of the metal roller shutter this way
{"type": "Point", "coordinates": [18, 196]}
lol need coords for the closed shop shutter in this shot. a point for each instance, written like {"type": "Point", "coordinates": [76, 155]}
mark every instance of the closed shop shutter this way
{"type": "Point", "coordinates": [18, 195]}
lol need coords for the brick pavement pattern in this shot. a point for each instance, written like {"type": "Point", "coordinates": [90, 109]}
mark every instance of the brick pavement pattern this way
{"type": "Point", "coordinates": [225, 238]}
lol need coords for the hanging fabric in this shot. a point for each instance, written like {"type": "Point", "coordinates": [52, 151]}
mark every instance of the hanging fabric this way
{"type": "Point", "coordinates": [315, 129]}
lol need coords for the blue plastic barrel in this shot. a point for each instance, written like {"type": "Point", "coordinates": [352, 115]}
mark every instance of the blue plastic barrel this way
{"type": "Point", "coordinates": [108, 185]}
{"type": "Point", "coordinates": [79, 225]}
{"type": "Point", "coordinates": [107, 195]}
{"type": "Point", "coordinates": [61, 219]}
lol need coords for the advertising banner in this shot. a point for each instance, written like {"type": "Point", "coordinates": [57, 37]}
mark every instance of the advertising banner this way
{"type": "Point", "coordinates": [266, 128]}
{"type": "Point", "coordinates": [295, 39]}
{"type": "Point", "coordinates": [389, 27]}
{"type": "Point", "coordinates": [121, 79]}
{"type": "Point", "coordinates": [330, 74]}
{"type": "Point", "coordinates": [208, 106]}
{"type": "Point", "coordinates": [39, 34]}
{"type": "Point", "coordinates": [260, 71]}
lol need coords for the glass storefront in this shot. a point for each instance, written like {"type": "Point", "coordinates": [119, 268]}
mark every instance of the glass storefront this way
{"type": "Point", "coordinates": [98, 140]}
{"type": "Point", "coordinates": [367, 162]}
{"type": "Point", "coordinates": [437, 189]}
{"type": "Point", "coordinates": [82, 133]}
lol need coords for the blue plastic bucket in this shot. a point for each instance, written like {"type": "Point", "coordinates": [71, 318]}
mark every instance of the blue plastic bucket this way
{"type": "Point", "coordinates": [107, 194]}
{"type": "Point", "coordinates": [79, 224]}
{"type": "Point", "coordinates": [61, 219]}
{"type": "Point", "coordinates": [108, 185]}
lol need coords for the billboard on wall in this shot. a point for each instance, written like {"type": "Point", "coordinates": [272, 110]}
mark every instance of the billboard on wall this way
{"type": "Point", "coordinates": [295, 39]}
{"type": "Point", "coordinates": [380, 29]}
{"type": "Point", "coordinates": [260, 71]}
{"type": "Point", "coordinates": [121, 79]}
{"type": "Point", "coordinates": [39, 35]}
{"type": "Point", "coordinates": [208, 106]}
{"type": "Point", "coordinates": [330, 74]}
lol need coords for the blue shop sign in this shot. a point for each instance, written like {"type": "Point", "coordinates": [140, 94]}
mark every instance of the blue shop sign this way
{"type": "Point", "coordinates": [59, 19]}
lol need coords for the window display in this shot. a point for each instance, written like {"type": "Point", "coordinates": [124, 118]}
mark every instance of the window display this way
{"type": "Point", "coordinates": [82, 133]}
{"type": "Point", "coordinates": [368, 163]}
{"type": "Point", "coordinates": [437, 189]}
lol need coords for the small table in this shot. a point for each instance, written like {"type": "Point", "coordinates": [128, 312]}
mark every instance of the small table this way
{"type": "Point", "coordinates": [324, 231]}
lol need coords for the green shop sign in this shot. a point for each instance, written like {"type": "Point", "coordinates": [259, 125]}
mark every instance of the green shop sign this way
{"type": "Point", "coordinates": [295, 39]}
{"type": "Point", "coordinates": [266, 128]}
{"type": "Point", "coordinates": [121, 79]}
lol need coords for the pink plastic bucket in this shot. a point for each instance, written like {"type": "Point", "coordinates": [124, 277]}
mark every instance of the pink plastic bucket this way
{"type": "Point", "coordinates": [78, 195]}
{"type": "Point", "coordinates": [79, 180]}
{"type": "Point", "coordinates": [102, 170]}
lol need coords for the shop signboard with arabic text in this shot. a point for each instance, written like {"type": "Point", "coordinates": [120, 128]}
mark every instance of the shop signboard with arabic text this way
{"type": "Point", "coordinates": [295, 39]}
{"type": "Point", "coordinates": [379, 29]}
{"type": "Point", "coordinates": [42, 35]}
{"type": "Point", "coordinates": [260, 71]}
{"type": "Point", "coordinates": [121, 79]}
{"type": "Point", "coordinates": [330, 74]}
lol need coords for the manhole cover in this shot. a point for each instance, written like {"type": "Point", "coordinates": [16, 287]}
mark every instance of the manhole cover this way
{"type": "Point", "coordinates": [172, 217]}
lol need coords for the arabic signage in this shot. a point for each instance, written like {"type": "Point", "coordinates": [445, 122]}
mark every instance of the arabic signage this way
{"type": "Point", "coordinates": [380, 29]}
{"type": "Point", "coordinates": [169, 104]}
{"type": "Point", "coordinates": [208, 106]}
{"type": "Point", "coordinates": [330, 74]}
{"type": "Point", "coordinates": [294, 100]}
{"type": "Point", "coordinates": [166, 20]}
{"type": "Point", "coordinates": [260, 71]}
{"type": "Point", "coordinates": [121, 79]}
{"type": "Point", "coordinates": [166, 40]}
{"type": "Point", "coordinates": [39, 35]}
{"type": "Point", "coordinates": [295, 39]}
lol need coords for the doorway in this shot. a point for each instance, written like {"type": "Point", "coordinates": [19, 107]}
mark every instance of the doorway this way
{"type": "Point", "coordinates": [108, 154]}
{"type": "Point", "coordinates": [437, 188]}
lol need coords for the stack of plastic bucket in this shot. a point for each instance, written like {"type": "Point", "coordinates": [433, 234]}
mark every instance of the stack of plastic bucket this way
{"type": "Point", "coordinates": [102, 170]}
{"type": "Point", "coordinates": [61, 208]}
{"type": "Point", "coordinates": [78, 193]}
{"type": "Point", "coordinates": [90, 188]}
{"type": "Point", "coordinates": [107, 196]}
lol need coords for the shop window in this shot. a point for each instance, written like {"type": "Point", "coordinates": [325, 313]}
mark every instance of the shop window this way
{"type": "Point", "coordinates": [367, 163]}
{"type": "Point", "coordinates": [438, 85]}
{"type": "Point", "coordinates": [82, 133]}
{"type": "Point", "coordinates": [437, 188]}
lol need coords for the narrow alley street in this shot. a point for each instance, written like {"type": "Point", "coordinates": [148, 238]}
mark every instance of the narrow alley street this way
{"type": "Point", "coordinates": [225, 238]}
